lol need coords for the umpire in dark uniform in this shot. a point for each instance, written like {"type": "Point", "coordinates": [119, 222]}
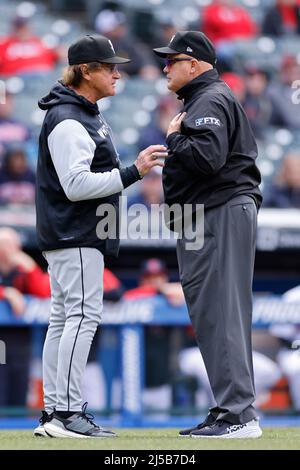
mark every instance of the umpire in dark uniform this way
{"type": "Point", "coordinates": [211, 161]}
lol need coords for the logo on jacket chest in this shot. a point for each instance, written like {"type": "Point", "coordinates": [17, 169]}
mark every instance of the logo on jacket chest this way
{"type": "Point", "coordinates": [207, 120]}
{"type": "Point", "coordinates": [103, 131]}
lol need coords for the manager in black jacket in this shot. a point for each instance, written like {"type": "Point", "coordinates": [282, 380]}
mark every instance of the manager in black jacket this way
{"type": "Point", "coordinates": [211, 162]}
{"type": "Point", "coordinates": [79, 180]}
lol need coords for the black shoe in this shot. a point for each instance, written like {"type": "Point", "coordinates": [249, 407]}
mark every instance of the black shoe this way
{"type": "Point", "coordinates": [79, 425]}
{"type": "Point", "coordinates": [40, 429]}
{"type": "Point", "coordinates": [223, 429]}
{"type": "Point", "coordinates": [207, 422]}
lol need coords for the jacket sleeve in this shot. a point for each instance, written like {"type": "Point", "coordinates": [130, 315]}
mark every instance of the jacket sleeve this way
{"type": "Point", "coordinates": [72, 151]}
{"type": "Point", "coordinates": [202, 147]}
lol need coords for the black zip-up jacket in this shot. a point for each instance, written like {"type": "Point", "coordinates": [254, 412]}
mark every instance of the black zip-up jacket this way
{"type": "Point", "coordinates": [78, 172]}
{"type": "Point", "coordinates": [213, 158]}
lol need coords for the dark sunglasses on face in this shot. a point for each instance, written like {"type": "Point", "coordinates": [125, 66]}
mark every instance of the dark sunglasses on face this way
{"type": "Point", "coordinates": [169, 62]}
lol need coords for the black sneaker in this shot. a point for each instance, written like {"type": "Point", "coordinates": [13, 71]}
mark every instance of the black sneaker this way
{"type": "Point", "coordinates": [40, 430]}
{"type": "Point", "coordinates": [224, 430]}
{"type": "Point", "coordinates": [78, 425]}
{"type": "Point", "coordinates": [207, 422]}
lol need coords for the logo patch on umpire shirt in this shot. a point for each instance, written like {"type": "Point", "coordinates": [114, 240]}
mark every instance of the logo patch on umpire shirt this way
{"type": "Point", "coordinates": [207, 120]}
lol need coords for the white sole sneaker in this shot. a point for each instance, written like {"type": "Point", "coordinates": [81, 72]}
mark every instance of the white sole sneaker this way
{"type": "Point", "coordinates": [250, 430]}
{"type": "Point", "coordinates": [54, 430]}
{"type": "Point", "coordinates": [40, 432]}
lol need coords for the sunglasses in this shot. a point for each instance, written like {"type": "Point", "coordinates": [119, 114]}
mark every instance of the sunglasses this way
{"type": "Point", "coordinates": [112, 68]}
{"type": "Point", "coordinates": [169, 62]}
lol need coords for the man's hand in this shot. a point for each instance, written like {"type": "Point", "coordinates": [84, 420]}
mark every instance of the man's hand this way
{"type": "Point", "coordinates": [15, 299]}
{"type": "Point", "coordinates": [175, 124]}
{"type": "Point", "coordinates": [148, 158]}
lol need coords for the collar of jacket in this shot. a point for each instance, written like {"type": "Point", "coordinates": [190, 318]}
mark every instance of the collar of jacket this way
{"type": "Point", "coordinates": [91, 107]}
{"type": "Point", "coordinates": [197, 84]}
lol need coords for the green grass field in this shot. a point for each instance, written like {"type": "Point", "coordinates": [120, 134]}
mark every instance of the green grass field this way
{"type": "Point", "coordinates": [151, 439]}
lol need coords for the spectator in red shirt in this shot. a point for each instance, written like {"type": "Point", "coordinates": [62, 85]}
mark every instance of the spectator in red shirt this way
{"type": "Point", "coordinates": [222, 20]}
{"type": "Point", "coordinates": [22, 52]}
{"type": "Point", "coordinates": [236, 83]}
{"type": "Point", "coordinates": [154, 280]}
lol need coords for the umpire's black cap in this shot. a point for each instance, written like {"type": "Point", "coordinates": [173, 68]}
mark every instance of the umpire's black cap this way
{"type": "Point", "coordinates": [193, 43]}
{"type": "Point", "coordinates": [94, 48]}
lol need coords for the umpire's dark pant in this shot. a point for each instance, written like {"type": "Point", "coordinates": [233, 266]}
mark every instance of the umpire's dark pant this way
{"type": "Point", "coordinates": [217, 284]}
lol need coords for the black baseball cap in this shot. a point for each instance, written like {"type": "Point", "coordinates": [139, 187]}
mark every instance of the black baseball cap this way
{"type": "Point", "coordinates": [94, 48]}
{"type": "Point", "coordinates": [193, 43]}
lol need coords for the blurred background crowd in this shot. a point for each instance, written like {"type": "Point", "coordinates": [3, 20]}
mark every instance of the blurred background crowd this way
{"type": "Point", "coordinates": [258, 49]}
{"type": "Point", "coordinates": [258, 57]}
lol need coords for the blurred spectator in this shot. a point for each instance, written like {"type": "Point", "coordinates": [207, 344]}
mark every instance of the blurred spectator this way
{"type": "Point", "coordinates": [17, 180]}
{"type": "Point", "coordinates": [223, 20]}
{"type": "Point", "coordinates": [11, 130]}
{"type": "Point", "coordinates": [154, 280]}
{"type": "Point", "coordinates": [251, 93]}
{"type": "Point", "coordinates": [113, 24]}
{"type": "Point", "coordinates": [285, 112]}
{"type": "Point", "coordinates": [19, 274]}
{"type": "Point", "coordinates": [236, 83]}
{"type": "Point", "coordinates": [284, 192]}
{"type": "Point", "coordinates": [158, 340]}
{"type": "Point", "coordinates": [166, 29]}
{"type": "Point", "coordinates": [21, 52]}
{"type": "Point", "coordinates": [150, 191]}
{"type": "Point", "coordinates": [150, 196]}
{"type": "Point", "coordinates": [282, 18]}
{"type": "Point", "coordinates": [167, 108]}
{"type": "Point", "coordinates": [257, 103]}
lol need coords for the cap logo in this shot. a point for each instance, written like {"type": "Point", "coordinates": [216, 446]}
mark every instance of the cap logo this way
{"type": "Point", "coordinates": [111, 45]}
{"type": "Point", "coordinates": [171, 40]}
{"type": "Point", "coordinates": [189, 49]}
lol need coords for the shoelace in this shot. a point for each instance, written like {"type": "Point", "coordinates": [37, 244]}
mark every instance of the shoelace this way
{"type": "Point", "coordinates": [88, 416]}
{"type": "Point", "coordinates": [45, 417]}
